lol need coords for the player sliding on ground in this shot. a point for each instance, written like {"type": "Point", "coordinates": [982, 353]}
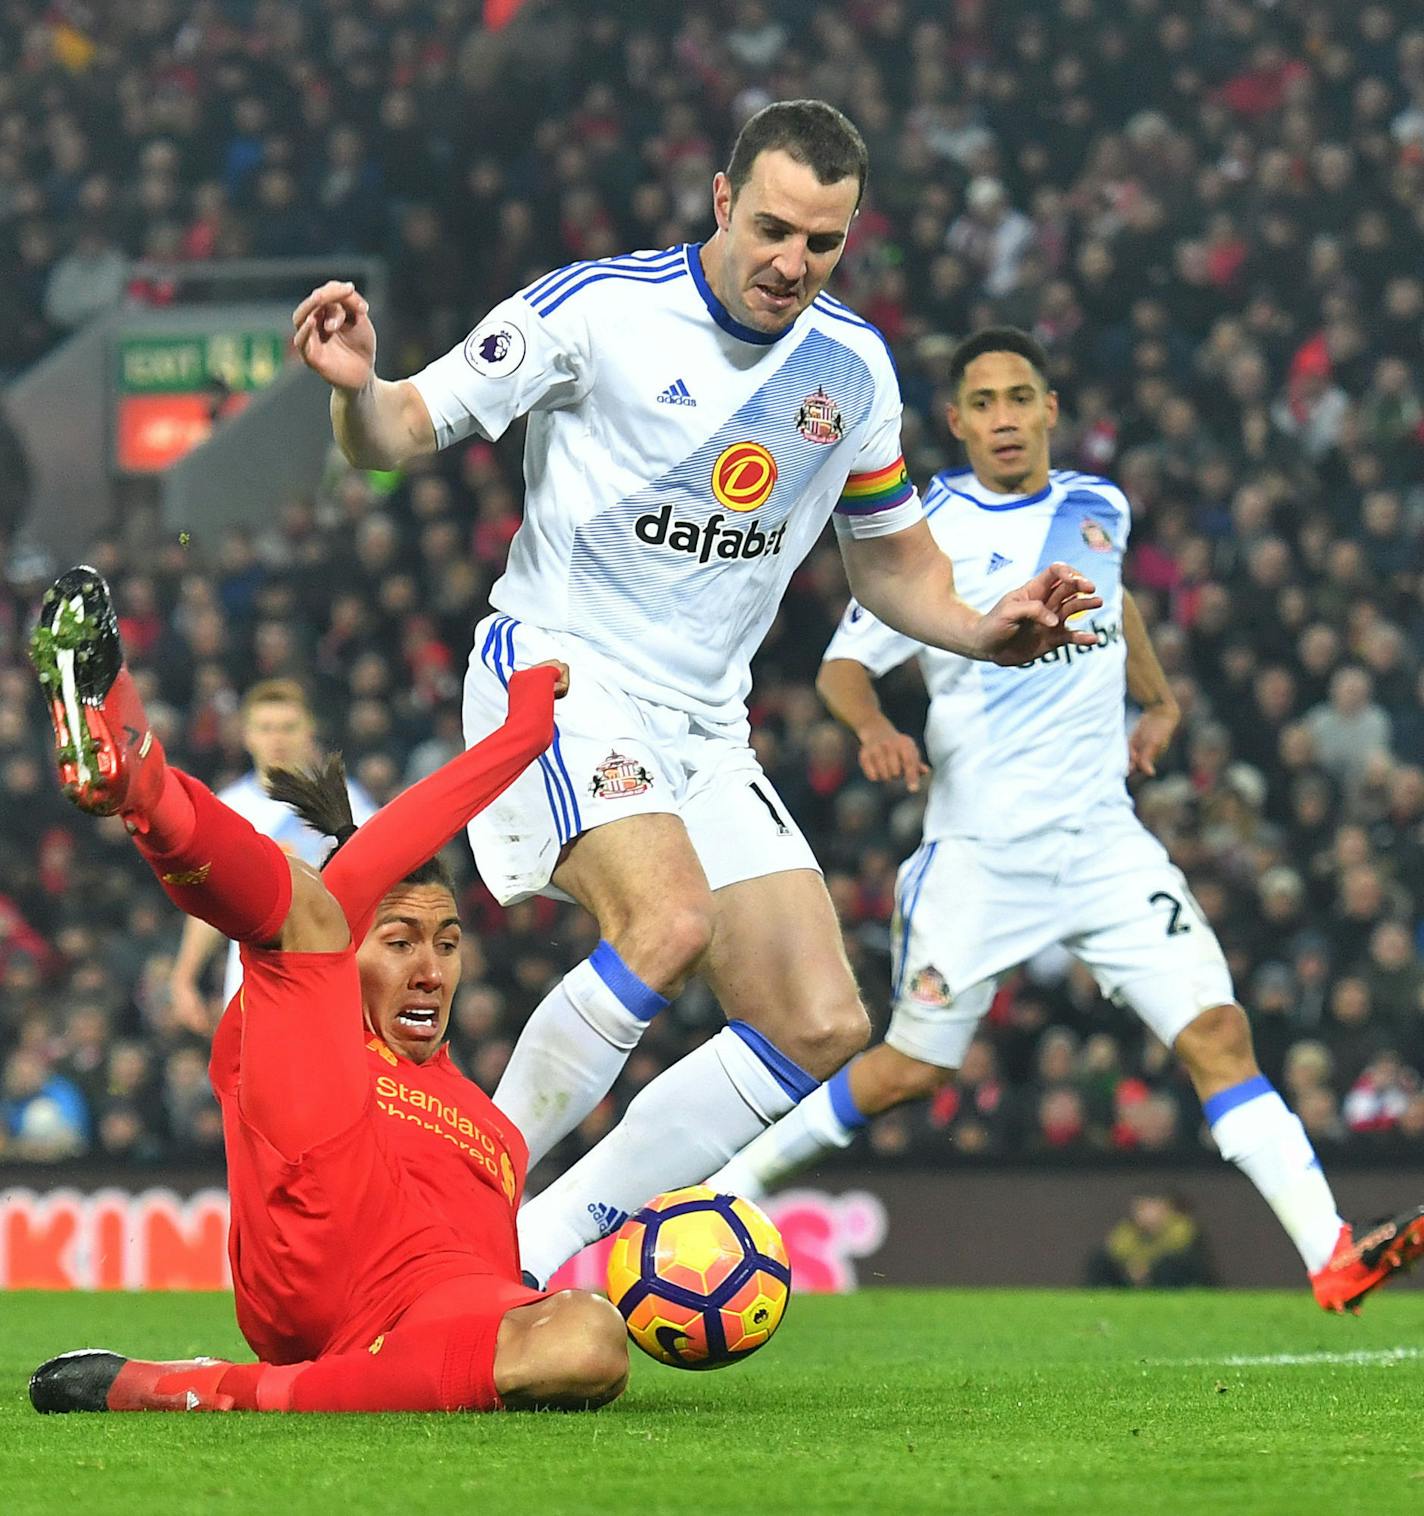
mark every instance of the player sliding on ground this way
{"type": "Point", "coordinates": [696, 416]}
{"type": "Point", "coordinates": [374, 1256]}
{"type": "Point", "coordinates": [1030, 838]}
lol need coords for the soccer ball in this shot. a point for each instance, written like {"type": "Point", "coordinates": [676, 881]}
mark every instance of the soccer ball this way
{"type": "Point", "coordinates": [701, 1279]}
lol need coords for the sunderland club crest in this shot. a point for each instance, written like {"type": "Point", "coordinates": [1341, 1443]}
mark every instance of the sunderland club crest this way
{"type": "Point", "coordinates": [819, 419]}
{"type": "Point", "coordinates": [929, 987]}
{"type": "Point", "coordinates": [1095, 535]}
{"type": "Point", "coordinates": [619, 776]}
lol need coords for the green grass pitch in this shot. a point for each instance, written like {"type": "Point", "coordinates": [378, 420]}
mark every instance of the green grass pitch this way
{"type": "Point", "coordinates": [894, 1401]}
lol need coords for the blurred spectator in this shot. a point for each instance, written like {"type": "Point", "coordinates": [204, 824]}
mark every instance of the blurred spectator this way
{"type": "Point", "coordinates": [42, 1113]}
{"type": "Point", "coordinates": [1062, 1121]}
{"type": "Point", "coordinates": [1156, 1246]}
{"type": "Point", "coordinates": [1348, 729]}
{"type": "Point", "coordinates": [1395, 977]}
{"type": "Point", "coordinates": [1380, 1096]}
{"type": "Point", "coordinates": [87, 281]}
{"type": "Point", "coordinates": [978, 1112]}
{"type": "Point", "coordinates": [991, 236]}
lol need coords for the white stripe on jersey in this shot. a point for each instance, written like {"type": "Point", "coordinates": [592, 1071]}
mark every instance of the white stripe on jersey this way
{"type": "Point", "coordinates": [1017, 750]}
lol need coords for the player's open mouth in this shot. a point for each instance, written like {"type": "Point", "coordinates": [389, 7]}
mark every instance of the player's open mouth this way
{"type": "Point", "coordinates": [1009, 452]}
{"type": "Point", "coordinates": [777, 300]}
{"type": "Point", "coordinates": [421, 1020]}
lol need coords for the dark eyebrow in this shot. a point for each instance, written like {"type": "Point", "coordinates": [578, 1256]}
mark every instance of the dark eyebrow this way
{"type": "Point", "coordinates": [1008, 389]}
{"type": "Point", "coordinates": [775, 223]}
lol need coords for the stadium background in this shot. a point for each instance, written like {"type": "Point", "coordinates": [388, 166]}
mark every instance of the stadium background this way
{"type": "Point", "coordinates": [1211, 218]}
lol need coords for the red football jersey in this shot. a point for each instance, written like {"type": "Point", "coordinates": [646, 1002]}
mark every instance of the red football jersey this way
{"type": "Point", "coordinates": [417, 1186]}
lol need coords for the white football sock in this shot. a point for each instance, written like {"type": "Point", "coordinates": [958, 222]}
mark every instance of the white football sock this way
{"type": "Point", "coordinates": [1265, 1140]}
{"type": "Point", "coordinates": [683, 1125]}
{"type": "Point", "coordinates": [573, 1047]}
{"type": "Point", "coordinates": [827, 1118]}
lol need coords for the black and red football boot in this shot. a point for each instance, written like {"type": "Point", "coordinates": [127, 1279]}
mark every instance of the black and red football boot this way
{"type": "Point", "coordinates": [93, 1379]}
{"type": "Point", "coordinates": [108, 758]}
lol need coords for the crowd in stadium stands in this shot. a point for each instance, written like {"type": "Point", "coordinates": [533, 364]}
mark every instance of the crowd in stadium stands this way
{"type": "Point", "coordinates": [1210, 215]}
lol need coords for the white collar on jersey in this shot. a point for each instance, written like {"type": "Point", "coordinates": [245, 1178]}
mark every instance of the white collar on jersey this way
{"type": "Point", "coordinates": [963, 482]}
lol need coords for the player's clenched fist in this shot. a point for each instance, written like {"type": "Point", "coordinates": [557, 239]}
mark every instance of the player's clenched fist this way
{"type": "Point", "coordinates": [334, 335]}
{"type": "Point", "coordinates": [1033, 619]}
{"type": "Point", "coordinates": [561, 675]}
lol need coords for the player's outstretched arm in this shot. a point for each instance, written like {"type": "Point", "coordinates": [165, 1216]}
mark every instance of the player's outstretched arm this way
{"type": "Point", "coordinates": [905, 581]}
{"type": "Point", "coordinates": [885, 752]}
{"type": "Point", "coordinates": [1148, 686]}
{"type": "Point", "coordinates": [421, 820]}
{"type": "Point", "coordinates": [377, 423]}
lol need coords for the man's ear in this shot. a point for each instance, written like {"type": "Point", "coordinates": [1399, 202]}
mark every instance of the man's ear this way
{"type": "Point", "coordinates": [722, 200]}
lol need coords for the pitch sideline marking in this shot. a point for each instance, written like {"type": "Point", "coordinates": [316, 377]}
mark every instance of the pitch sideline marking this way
{"type": "Point", "coordinates": [1368, 1357]}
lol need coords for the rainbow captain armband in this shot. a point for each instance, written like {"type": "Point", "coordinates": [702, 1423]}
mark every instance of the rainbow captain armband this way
{"type": "Point", "coordinates": [882, 490]}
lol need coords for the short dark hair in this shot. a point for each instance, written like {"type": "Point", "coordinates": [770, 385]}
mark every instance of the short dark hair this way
{"type": "Point", "coordinates": [810, 131]}
{"type": "Point", "coordinates": [997, 339]}
{"type": "Point", "coordinates": [320, 797]}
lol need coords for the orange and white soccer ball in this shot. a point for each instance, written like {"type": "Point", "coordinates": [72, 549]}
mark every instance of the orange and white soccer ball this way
{"type": "Point", "coordinates": [702, 1279]}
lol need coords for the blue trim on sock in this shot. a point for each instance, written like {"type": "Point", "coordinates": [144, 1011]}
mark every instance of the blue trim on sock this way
{"type": "Point", "coordinates": [642, 1000]}
{"type": "Point", "coordinates": [1217, 1105]}
{"type": "Point", "coordinates": [790, 1076]}
{"type": "Point", "coordinates": [847, 1112]}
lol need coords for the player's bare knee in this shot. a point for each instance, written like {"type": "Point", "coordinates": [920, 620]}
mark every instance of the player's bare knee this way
{"type": "Point", "coordinates": [592, 1349]}
{"type": "Point", "coordinates": [825, 1039]}
{"type": "Point", "coordinates": [315, 922]}
{"type": "Point", "coordinates": [601, 1362]}
{"type": "Point", "coordinates": [664, 948]}
{"type": "Point", "coordinates": [1216, 1047]}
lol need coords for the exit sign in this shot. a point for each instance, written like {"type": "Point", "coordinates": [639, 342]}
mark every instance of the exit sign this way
{"type": "Point", "coordinates": [170, 391]}
{"type": "Point", "coordinates": [179, 365]}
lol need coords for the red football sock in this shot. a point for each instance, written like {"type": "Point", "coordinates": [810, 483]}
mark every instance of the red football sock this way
{"type": "Point", "coordinates": [170, 824]}
{"type": "Point", "coordinates": [419, 822]}
{"type": "Point", "coordinates": [440, 1366]}
{"type": "Point", "coordinates": [182, 1385]}
{"type": "Point", "coordinates": [213, 863]}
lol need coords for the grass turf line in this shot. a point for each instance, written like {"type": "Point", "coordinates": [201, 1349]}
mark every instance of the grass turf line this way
{"type": "Point", "coordinates": [895, 1401]}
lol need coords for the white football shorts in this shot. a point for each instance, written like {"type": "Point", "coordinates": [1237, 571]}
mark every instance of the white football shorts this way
{"type": "Point", "coordinates": [616, 755]}
{"type": "Point", "coordinates": [967, 913]}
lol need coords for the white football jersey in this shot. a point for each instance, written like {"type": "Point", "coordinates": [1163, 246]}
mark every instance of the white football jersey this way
{"type": "Point", "coordinates": [1017, 750]}
{"type": "Point", "coordinates": [277, 820]}
{"type": "Point", "coordinates": [678, 465]}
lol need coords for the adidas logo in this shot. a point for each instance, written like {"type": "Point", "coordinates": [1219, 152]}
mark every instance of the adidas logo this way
{"type": "Point", "coordinates": [608, 1217]}
{"type": "Point", "coordinates": [996, 562]}
{"type": "Point", "coordinates": [677, 393]}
